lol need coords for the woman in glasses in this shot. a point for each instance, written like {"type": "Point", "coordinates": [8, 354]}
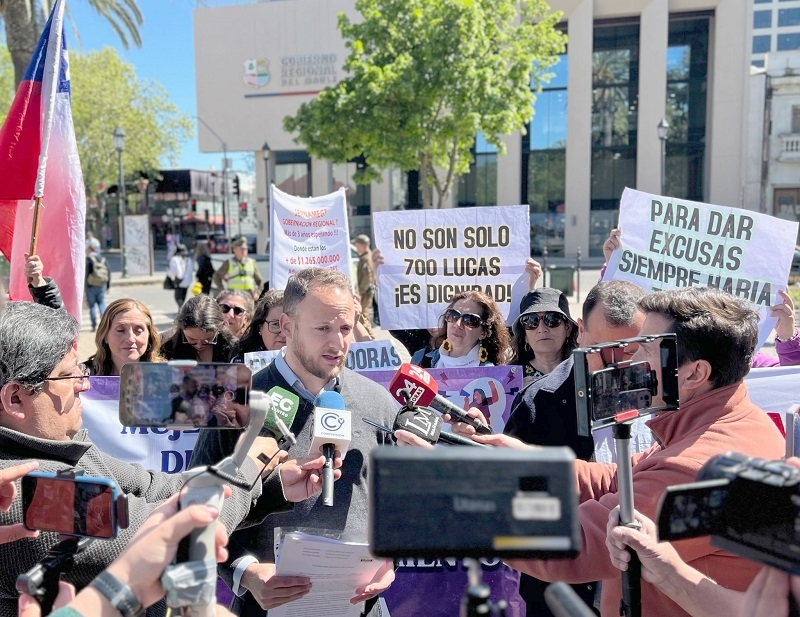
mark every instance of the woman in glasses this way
{"type": "Point", "coordinates": [544, 333]}
{"type": "Point", "coordinates": [126, 334]}
{"type": "Point", "coordinates": [472, 332]}
{"type": "Point", "coordinates": [199, 334]}
{"type": "Point", "coordinates": [237, 307]}
{"type": "Point", "coordinates": [264, 332]}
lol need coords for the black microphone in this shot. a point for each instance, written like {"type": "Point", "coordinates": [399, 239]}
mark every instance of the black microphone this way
{"type": "Point", "coordinates": [428, 426]}
{"type": "Point", "coordinates": [564, 602]}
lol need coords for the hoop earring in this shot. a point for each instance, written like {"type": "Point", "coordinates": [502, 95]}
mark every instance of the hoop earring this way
{"type": "Point", "coordinates": [483, 355]}
{"type": "Point", "coordinates": [527, 347]}
{"type": "Point", "coordinates": [447, 346]}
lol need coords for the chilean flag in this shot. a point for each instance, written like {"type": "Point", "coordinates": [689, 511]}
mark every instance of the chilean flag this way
{"type": "Point", "coordinates": [39, 158]}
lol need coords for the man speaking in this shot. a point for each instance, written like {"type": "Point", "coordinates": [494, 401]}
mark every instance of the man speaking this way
{"type": "Point", "coordinates": [318, 322]}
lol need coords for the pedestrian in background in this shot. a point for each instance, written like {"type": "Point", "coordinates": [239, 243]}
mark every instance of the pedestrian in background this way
{"type": "Point", "coordinates": [365, 275]}
{"type": "Point", "coordinates": [205, 269]}
{"type": "Point", "coordinates": [181, 269]}
{"type": "Point", "coordinates": [98, 280]}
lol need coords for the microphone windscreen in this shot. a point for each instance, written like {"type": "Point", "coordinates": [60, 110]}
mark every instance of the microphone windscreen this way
{"type": "Point", "coordinates": [330, 399]}
{"type": "Point", "coordinates": [418, 383]}
{"type": "Point", "coordinates": [284, 405]}
{"type": "Point", "coordinates": [421, 422]}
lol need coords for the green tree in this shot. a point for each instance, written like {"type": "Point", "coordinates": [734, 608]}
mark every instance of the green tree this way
{"type": "Point", "coordinates": [424, 76]}
{"type": "Point", "coordinates": [24, 20]}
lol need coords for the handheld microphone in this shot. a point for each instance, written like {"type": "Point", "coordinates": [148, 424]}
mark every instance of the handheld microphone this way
{"type": "Point", "coordinates": [332, 431]}
{"type": "Point", "coordinates": [284, 408]}
{"type": "Point", "coordinates": [427, 425]}
{"type": "Point", "coordinates": [424, 392]}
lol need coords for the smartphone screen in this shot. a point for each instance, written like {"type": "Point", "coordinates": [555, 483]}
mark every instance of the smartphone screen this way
{"type": "Point", "coordinates": [621, 388]}
{"type": "Point", "coordinates": [204, 396]}
{"type": "Point", "coordinates": [81, 507]}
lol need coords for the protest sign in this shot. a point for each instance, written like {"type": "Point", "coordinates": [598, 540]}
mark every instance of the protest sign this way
{"type": "Point", "coordinates": [158, 449]}
{"type": "Point", "coordinates": [431, 255]}
{"type": "Point", "coordinates": [257, 360]}
{"type": "Point", "coordinates": [489, 388]}
{"type": "Point", "coordinates": [668, 243]}
{"type": "Point", "coordinates": [363, 356]}
{"type": "Point", "coordinates": [308, 232]}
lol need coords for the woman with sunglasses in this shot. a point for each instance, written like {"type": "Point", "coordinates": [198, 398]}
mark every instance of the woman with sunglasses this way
{"type": "Point", "coordinates": [544, 333]}
{"type": "Point", "coordinates": [126, 334]}
{"type": "Point", "coordinates": [199, 334]}
{"type": "Point", "coordinates": [472, 332]}
{"type": "Point", "coordinates": [237, 307]}
{"type": "Point", "coordinates": [264, 332]}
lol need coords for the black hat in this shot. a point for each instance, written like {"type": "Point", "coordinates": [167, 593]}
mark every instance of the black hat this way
{"type": "Point", "coordinates": [543, 300]}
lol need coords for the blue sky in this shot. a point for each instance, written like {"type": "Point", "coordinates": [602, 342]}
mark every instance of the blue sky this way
{"type": "Point", "coordinates": [166, 56]}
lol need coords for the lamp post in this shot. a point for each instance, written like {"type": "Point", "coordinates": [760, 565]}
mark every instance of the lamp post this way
{"type": "Point", "coordinates": [663, 132]}
{"type": "Point", "coordinates": [119, 146]}
{"type": "Point", "coordinates": [265, 151]}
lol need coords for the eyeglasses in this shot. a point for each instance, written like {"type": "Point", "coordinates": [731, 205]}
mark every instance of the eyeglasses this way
{"type": "Point", "coordinates": [470, 320]}
{"type": "Point", "coordinates": [273, 325]}
{"type": "Point", "coordinates": [85, 372]}
{"type": "Point", "coordinates": [211, 341]}
{"type": "Point", "coordinates": [551, 319]}
{"type": "Point", "coordinates": [227, 308]}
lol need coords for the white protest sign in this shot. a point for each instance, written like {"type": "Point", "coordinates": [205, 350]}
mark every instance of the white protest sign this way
{"type": "Point", "coordinates": [308, 232]}
{"type": "Point", "coordinates": [668, 243]}
{"type": "Point", "coordinates": [258, 360]}
{"type": "Point", "coordinates": [431, 255]}
{"type": "Point", "coordinates": [158, 449]}
{"type": "Point", "coordinates": [373, 356]}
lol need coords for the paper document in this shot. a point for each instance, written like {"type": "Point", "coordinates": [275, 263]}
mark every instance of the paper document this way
{"type": "Point", "coordinates": [335, 568]}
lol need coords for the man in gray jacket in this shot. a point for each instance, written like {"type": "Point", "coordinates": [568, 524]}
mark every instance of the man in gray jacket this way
{"type": "Point", "coordinates": [40, 419]}
{"type": "Point", "coordinates": [317, 321]}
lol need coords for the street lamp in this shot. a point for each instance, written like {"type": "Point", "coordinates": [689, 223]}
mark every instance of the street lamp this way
{"type": "Point", "coordinates": [119, 146]}
{"type": "Point", "coordinates": [663, 132]}
{"type": "Point", "coordinates": [265, 152]}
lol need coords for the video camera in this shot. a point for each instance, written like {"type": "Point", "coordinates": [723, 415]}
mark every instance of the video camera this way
{"type": "Point", "coordinates": [749, 506]}
{"type": "Point", "coordinates": [623, 390]}
{"type": "Point", "coordinates": [473, 502]}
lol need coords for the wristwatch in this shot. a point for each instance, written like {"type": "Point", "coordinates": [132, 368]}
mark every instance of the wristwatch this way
{"type": "Point", "coordinates": [118, 594]}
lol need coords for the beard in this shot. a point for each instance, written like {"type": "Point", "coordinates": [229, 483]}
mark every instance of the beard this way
{"type": "Point", "coordinates": [312, 366]}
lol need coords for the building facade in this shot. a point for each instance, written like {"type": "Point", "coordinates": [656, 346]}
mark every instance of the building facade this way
{"type": "Point", "coordinates": [776, 28]}
{"type": "Point", "coordinates": [629, 63]}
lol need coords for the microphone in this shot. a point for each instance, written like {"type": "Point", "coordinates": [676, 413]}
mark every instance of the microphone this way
{"type": "Point", "coordinates": [284, 408]}
{"type": "Point", "coordinates": [564, 602]}
{"type": "Point", "coordinates": [427, 425]}
{"type": "Point", "coordinates": [423, 392]}
{"type": "Point", "coordinates": [332, 431]}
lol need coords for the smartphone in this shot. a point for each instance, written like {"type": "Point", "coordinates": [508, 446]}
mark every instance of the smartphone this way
{"type": "Point", "coordinates": [79, 506]}
{"type": "Point", "coordinates": [184, 396]}
{"type": "Point", "coordinates": [621, 388]}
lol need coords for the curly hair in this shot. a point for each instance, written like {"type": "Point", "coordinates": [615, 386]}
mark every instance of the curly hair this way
{"type": "Point", "coordinates": [101, 362]}
{"type": "Point", "coordinates": [496, 342]}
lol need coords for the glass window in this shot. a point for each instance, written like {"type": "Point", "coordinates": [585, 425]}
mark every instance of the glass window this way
{"type": "Point", "coordinates": [763, 19]}
{"type": "Point", "coordinates": [757, 63]}
{"type": "Point", "coordinates": [787, 42]}
{"type": "Point", "coordinates": [479, 186]}
{"type": "Point", "coordinates": [795, 118]}
{"type": "Point", "coordinates": [787, 17]}
{"type": "Point", "coordinates": [761, 44]}
{"type": "Point", "coordinates": [761, 1]}
{"type": "Point", "coordinates": [687, 71]}
{"type": "Point", "coordinates": [544, 163]}
{"type": "Point", "coordinates": [293, 178]}
{"type": "Point", "coordinates": [358, 195]}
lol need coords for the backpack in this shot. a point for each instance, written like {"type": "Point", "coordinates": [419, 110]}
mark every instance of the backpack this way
{"type": "Point", "coordinates": [99, 275]}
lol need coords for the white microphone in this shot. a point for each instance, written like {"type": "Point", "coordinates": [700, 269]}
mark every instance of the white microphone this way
{"type": "Point", "coordinates": [333, 430]}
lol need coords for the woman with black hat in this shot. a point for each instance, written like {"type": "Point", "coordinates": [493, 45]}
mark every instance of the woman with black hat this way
{"type": "Point", "coordinates": [544, 333]}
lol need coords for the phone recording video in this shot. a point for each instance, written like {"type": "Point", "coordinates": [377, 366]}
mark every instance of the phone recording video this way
{"type": "Point", "coordinates": [622, 388]}
{"type": "Point", "coordinates": [200, 396]}
{"type": "Point", "coordinates": [79, 506]}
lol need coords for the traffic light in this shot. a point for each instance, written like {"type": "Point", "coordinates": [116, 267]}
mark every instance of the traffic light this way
{"type": "Point", "coordinates": [236, 189]}
{"type": "Point", "coordinates": [193, 205]}
{"type": "Point", "coordinates": [243, 210]}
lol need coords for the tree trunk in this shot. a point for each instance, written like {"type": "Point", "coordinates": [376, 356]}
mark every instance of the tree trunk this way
{"type": "Point", "coordinates": [23, 28]}
{"type": "Point", "coordinates": [423, 180]}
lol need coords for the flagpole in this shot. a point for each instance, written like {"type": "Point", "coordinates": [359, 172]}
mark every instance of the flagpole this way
{"type": "Point", "coordinates": [35, 227]}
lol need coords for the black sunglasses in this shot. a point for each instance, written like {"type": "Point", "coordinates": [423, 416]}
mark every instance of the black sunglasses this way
{"type": "Point", "coordinates": [470, 320]}
{"type": "Point", "coordinates": [551, 319]}
{"type": "Point", "coordinates": [237, 310]}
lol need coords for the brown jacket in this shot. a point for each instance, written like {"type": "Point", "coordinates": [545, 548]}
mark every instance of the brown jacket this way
{"type": "Point", "coordinates": [716, 422]}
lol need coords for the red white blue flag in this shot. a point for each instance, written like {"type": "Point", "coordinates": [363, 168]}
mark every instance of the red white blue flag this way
{"type": "Point", "coordinates": [39, 158]}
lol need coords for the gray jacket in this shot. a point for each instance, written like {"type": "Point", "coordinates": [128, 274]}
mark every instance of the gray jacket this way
{"type": "Point", "coordinates": [364, 399]}
{"type": "Point", "coordinates": [145, 489]}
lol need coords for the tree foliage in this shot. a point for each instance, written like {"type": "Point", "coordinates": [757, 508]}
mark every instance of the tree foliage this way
{"type": "Point", "coordinates": [105, 93]}
{"type": "Point", "coordinates": [424, 77]}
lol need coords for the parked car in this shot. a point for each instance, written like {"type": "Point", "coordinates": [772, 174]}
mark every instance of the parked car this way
{"type": "Point", "coordinates": [217, 242]}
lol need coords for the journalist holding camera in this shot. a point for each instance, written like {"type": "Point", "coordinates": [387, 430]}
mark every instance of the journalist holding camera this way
{"type": "Point", "coordinates": [40, 421]}
{"type": "Point", "coordinates": [716, 337]}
